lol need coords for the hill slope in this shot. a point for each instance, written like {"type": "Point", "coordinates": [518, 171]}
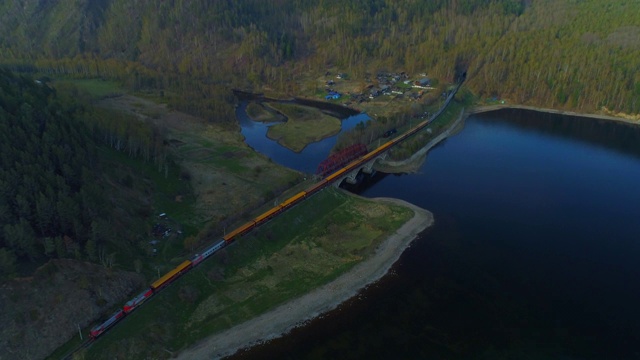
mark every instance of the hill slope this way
{"type": "Point", "coordinates": [575, 54]}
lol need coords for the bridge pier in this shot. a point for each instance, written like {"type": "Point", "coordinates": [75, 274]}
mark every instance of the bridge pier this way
{"type": "Point", "coordinates": [366, 168]}
{"type": "Point", "coordinates": [351, 178]}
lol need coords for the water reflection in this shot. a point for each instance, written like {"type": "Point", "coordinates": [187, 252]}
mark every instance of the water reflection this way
{"type": "Point", "coordinates": [308, 159]}
{"type": "Point", "coordinates": [614, 135]}
{"type": "Point", "coordinates": [534, 253]}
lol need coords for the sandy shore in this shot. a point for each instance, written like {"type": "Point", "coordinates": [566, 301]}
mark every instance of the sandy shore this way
{"type": "Point", "coordinates": [296, 312]}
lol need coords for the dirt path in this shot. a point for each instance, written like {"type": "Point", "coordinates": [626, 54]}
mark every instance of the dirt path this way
{"type": "Point", "coordinates": [321, 300]}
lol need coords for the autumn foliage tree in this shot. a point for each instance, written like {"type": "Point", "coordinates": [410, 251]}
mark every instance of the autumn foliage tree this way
{"type": "Point", "coordinates": [561, 53]}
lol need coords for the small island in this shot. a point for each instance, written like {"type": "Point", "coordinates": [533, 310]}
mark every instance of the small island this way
{"type": "Point", "coordinates": [304, 125]}
{"type": "Point", "coordinates": [257, 112]}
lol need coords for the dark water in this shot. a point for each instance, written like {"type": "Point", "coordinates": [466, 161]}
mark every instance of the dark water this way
{"type": "Point", "coordinates": [535, 253]}
{"type": "Point", "coordinates": [308, 159]}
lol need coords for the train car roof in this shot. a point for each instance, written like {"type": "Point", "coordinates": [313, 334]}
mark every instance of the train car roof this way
{"type": "Point", "coordinates": [156, 284]}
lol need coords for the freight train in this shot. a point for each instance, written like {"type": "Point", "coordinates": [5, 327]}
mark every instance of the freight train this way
{"type": "Point", "coordinates": [187, 265]}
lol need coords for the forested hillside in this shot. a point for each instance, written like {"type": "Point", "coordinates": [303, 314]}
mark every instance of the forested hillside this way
{"type": "Point", "coordinates": [58, 199]}
{"type": "Point", "coordinates": [561, 53]}
{"type": "Point", "coordinates": [73, 191]}
{"type": "Point", "coordinates": [49, 195]}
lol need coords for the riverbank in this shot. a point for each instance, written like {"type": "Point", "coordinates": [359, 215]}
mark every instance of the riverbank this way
{"type": "Point", "coordinates": [304, 125]}
{"type": "Point", "coordinates": [625, 118]}
{"type": "Point", "coordinates": [415, 161]}
{"type": "Point", "coordinates": [280, 321]}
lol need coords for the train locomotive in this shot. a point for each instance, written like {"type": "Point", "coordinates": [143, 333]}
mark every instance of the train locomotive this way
{"type": "Point", "coordinates": [156, 286]}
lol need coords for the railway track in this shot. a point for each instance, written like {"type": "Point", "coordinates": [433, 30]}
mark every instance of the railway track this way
{"type": "Point", "coordinates": [84, 345]}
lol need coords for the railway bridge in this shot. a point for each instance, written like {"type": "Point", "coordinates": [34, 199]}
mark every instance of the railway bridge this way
{"type": "Point", "coordinates": [364, 167]}
{"type": "Point", "coordinates": [365, 163]}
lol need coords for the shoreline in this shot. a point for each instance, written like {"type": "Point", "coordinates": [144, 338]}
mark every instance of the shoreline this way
{"type": "Point", "coordinates": [414, 162]}
{"type": "Point", "coordinates": [295, 313]}
{"type": "Point", "coordinates": [487, 108]}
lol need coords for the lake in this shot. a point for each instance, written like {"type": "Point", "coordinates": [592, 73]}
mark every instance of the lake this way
{"type": "Point", "coordinates": [534, 253]}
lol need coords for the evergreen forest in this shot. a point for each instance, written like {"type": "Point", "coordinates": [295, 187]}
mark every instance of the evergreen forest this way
{"type": "Point", "coordinates": [60, 196]}
{"type": "Point", "coordinates": [49, 195]}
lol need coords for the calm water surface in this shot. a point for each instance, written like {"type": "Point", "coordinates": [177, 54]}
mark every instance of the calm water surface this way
{"type": "Point", "coordinates": [308, 159]}
{"type": "Point", "coordinates": [535, 253]}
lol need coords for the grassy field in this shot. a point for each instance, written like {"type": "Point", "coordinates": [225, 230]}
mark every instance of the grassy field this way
{"type": "Point", "coordinates": [304, 126]}
{"type": "Point", "coordinates": [211, 182]}
{"type": "Point", "coordinates": [257, 112]}
{"type": "Point", "coordinates": [97, 88]}
{"type": "Point", "coordinates": [224, 181]}
{"type": "Point", "coordinates": [227, 178]}
{"type": "Point", "coordinates": [305, 247]}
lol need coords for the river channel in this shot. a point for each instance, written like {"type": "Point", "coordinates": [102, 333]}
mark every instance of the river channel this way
{"type": "Point", "coordinates": [308, 159]}
{"type": "Point", "coordinates": [534, 253]}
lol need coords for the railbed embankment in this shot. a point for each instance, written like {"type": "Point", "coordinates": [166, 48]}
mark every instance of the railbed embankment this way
{"type": "Point", "coordinates": [413, 163]}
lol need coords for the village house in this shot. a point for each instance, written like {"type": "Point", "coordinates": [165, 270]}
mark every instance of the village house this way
{"type": "Point", "coordinates": [423, 83]}
{"type": "Point", "coordinates": [332, 96]}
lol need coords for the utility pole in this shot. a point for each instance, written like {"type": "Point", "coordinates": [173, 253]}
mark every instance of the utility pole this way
{"type": "Point", "coordinates": [79, 331]}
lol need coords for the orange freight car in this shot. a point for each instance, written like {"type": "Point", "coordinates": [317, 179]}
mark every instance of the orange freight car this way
{"type": "Point", "coordinates": [239, 231]}
{"type": "Point", "coordinates": [386, 145]}
{"type": "Point", "coordinates": [294, 199]}
{"type": "Point", "coordinates": [337, 174]}
{"type": "Point", "coordinates": [166, 278]}
{"type": "Point", "coordinates": [268, 214]}
{"type": "Point", "coordinates": [367, 156]}
{"type": "Point", "coordinates": [316, 187]}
